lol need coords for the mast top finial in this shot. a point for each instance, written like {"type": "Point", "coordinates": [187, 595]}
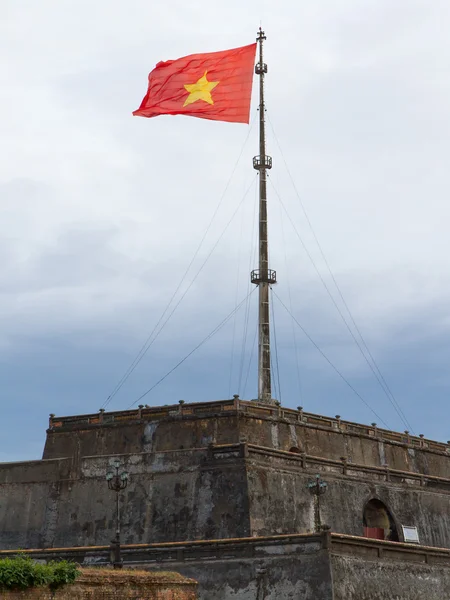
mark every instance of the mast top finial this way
{"type": "Point", "coordinates": [261, 35]}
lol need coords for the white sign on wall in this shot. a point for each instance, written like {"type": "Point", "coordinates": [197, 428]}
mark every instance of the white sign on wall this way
{"type": "Point", "coordinates": [410, 534]}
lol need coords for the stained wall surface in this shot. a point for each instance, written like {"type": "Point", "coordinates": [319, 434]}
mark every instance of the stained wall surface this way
{"type": "Point", "coordinates": [290, 572]}
{"type": "Point", "coordinates": [323, 566]}
{"type": "Point", "coordinates": [228, 469]}
{"type": "Point", "coordinates": [281, 482]}
{"type": "Point", "coordinates": [342, 569]}
{"type": "Point", "coordinates": [246, 569]}
{"type": "Point", "coordinates": [171, 496]}
{"type": "Point", "coordinates": [229, 422]}
{"type": "Point", "coordinates": [356, 578]}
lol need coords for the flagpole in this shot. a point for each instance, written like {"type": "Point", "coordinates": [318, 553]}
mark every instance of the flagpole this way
{"type": "Point", "coordinates": [263, 277]}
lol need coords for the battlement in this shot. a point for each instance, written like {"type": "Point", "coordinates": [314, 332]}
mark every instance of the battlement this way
{"type": "Point", "coordinates": [239, 548]}
{"type": "Point", "coordinates": [242, 408]}
{"type": "Point", "coordinates": [216, 470]}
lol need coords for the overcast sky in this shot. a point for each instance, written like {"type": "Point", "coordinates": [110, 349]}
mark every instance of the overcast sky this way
{"type": "Point", "coordinates": [102, 212]}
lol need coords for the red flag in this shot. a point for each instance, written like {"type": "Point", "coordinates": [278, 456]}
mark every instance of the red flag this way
{"type": "Point", "coordinates": [217, 86]}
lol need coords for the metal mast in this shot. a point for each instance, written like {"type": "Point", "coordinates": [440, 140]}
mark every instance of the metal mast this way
{"type": "Point", "coordinates": [263, 277]}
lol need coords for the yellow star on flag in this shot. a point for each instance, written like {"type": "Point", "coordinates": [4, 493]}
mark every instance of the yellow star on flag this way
{"type": "Point", "coordinates": [201, 90]}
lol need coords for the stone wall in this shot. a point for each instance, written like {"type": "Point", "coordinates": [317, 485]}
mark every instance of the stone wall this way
{"type": "Point", "coordinates": [278, 480]}
{"type": "Point", "coordinates": [208, 493]}
{"type": "Point", "coordinates": [171, 496]}
{"type": "Point", "coordinates": [320, 567]}
{"type": "Point", "coordinates": [283, 568]}
{"type": "Point", "coordinates": [102, 584]}
{"type": "Point", "coordinates": [188, 426]}
{"type": "Point", "coordinates": [364, 570]}
{"type": "Point", "coordinates": [217, 470]}
{"type": "Point", "coordinates": [334, 439]}
{"type": "Point", "coordinates": [283, 572]}
{"type": "Point", "coordinates": [335, 567]}
{"type": "Point", "coordinates": [155, 431]}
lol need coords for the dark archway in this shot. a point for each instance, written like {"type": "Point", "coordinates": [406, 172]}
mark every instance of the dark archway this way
{"type": "Point", "coordinates": [295, 450]}
{"type": "Point", "coordinates": [378, 522]}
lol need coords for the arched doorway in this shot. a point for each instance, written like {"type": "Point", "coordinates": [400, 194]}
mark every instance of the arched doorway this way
{"type": "Point", "coordinates": [295, 450]}
{"type": "Point", "coordinates": [378, 522]}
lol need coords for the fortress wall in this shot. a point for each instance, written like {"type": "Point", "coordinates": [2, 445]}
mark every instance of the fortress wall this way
{"type": "Point", "coordinates": [190, 477]}
{"type": "Point", "coordinates": [207, 493]}
{"type": "Point", "coordinates": [297, 570]}
{"type": "Point", "coordinates": [24, 508]}
{"type": "Point", "coordinates": [162, 432]}
{"type": "Point", "coordinates": [366, 570]}
{"type": "Point", "coordinates": [272, 568]}
{"type": "Point", "coordinates": [171, 496]}
{"type": "Point", "coordinates": [334, 443]}
{"type": "Point", "coordinates": [43, 471]}
{"type": "Point", "coordinates": [320, 567]}
{"type": "Point", "coordinates": [233, 421]}
{"type": "Point", "coordinates": [29, 499]}
{"type": "Point", "coordinates": [280, 501]}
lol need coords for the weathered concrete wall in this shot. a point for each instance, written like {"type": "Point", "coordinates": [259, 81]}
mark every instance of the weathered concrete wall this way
{"type": "Point", "coordinates": [358, 579]}
{"type": "Point", "coordinates": [229, 422]}
{"type": "Point", "coordinates": [29, 496]}
{"type": "Point", "coordinates": [333, 443]}
{"type": "Point", "coordinates": [283, 568]}
{"type": "Point", "coordinates": [290, 567]}
{"type": "Point", "coordinates": [102, 584]}
{"type": "Point", "coordinates": [170, 432]}
{"type": "Point", "coordinates": [426, 510]}
{"type": "Point", "coordinates": [367, 572]}
{"type": "Point", "coordinates": [23, 513]}
{"type": "Point", "coordinates": [287, 569]}
{"type": "Point", "coordinates": [193, 477]}
{"type": "Point", "coordinates": [291, 572]}
{"type": "Point", "coordinates": [280, 482]}
{"type": "Point", "coordinates": [305, 567]}
{"type": "Point", "coordinates": [219, 492]}
{"type": "Point", "coordinates": [171, 496]}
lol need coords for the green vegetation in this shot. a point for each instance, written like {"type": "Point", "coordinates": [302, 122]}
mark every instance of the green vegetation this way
{"type": "Point", "coordinates": [21, 572]}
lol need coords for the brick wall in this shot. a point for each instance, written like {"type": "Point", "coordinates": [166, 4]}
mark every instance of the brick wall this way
{"type": "Point", "coordinates": [106, 584]}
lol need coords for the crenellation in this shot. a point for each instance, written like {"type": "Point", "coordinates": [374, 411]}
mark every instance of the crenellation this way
{"type": "Point", "coordinates": [250, 408]}
{"type": "Point", "coordinates": [230, 470]}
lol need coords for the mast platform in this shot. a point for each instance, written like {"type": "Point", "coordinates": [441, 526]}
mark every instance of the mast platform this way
{"type": "Point", "coordinates": [269, 276]}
